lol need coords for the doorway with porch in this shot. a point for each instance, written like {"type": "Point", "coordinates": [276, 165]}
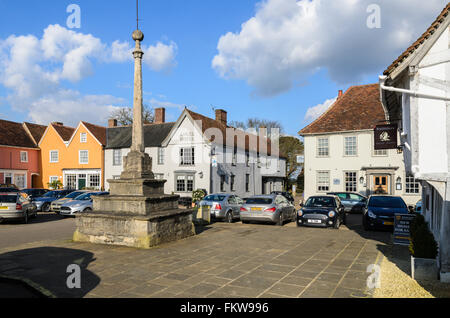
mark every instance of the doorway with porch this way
{"type": "Point", "coordinates": [381, 184]}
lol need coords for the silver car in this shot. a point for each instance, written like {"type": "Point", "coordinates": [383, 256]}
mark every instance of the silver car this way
{"type": "Point", "coordinates": [82, 203]}
{"type": "Point", "coordinates": [268, 208]}
{"type": "Point", "coordinates": [223, 206]}
{"type": "Point", "coordinates": [14, 206]}
{"type": "Point", "coordinates": [56, 205]}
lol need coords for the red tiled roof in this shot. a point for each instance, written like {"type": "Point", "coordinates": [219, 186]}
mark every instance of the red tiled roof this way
{"type": "Point", "coordinates": [358, 109]}
{"type": "Point", "coordinates": [14, 135]}
{"type": "Point", "coordinates": [429, 32]}
{"type": "Point", "coordinates": [36, 131]}
{"type": "Point", "coordinates": [64, 131]}
{"type": "Point", "coordinates": [98, 131]}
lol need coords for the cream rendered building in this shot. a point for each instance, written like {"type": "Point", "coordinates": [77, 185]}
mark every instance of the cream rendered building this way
{"type": "Point", "coordinates": [340, 155]}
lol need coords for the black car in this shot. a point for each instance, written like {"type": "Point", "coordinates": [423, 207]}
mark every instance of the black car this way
{"type": "Point", "coordinates": [322, 211]}
{"type": "Point", "coordinates": [34, 193]}
{"type": "Point", "coordinates": [287, 195]}
{"type": "Point", "coordinates": [353, 202]}
{"type": "Point", "coordinates": [380, 211]}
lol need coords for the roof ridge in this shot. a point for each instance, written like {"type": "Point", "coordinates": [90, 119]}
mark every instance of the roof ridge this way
{"type": "Point", "coordinates": [420, 41]}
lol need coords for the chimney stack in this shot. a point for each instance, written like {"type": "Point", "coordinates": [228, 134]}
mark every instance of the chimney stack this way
{"type": "Point", "coordinates": [112, 123]}
{"type": "Point", "coordinates": [56, 123]}
{"type": "Point", "coordinates": [340, 93]}
{"type": "Point", "coordinates": [221, 116]}
{"type": "Point", "coordinates": [160, 115]}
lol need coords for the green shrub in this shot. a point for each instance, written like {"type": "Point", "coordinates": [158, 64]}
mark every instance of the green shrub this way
{"type": "Point", "coordinates": [198, 195]}
{"type": "Point", "coordinates": [423, 244]}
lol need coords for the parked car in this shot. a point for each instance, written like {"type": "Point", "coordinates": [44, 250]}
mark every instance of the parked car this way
{"type": "Point", "coordinates": [82, 203]}
{"type": "Point", "coordinates": [380, 211]}
{"type": "Point", "coordinates": [56, 205]}
{"type": "Point", "coordinates": [223, 206]}
{"type": "Point", "coordinates": [13, 206]}
{"type": "Point", "coordinates": [268, 208]}
{"type": "Point", "coordinates": [34, 193]}
{"type": "Point", "coordinates": [43, 203]}
{"type": "Point", "coordinates": [353, 202]}
{"type": "Point", "coordinates": [287, 195]}
{"type": "Point", "coordinates": [322, 211]}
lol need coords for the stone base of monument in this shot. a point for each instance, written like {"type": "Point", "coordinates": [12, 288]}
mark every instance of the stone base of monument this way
{"type": "Point", "coordinates": [134, 231]}
{"type": "Point", "coordinates": [144, 219]}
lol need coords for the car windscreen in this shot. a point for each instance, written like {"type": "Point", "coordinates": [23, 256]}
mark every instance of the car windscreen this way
{"type": "Point", "coordinates": [387, 202]}
{"type": "Point", "coordinates": [320, 202]}
{"type": "Point", "coordinates": [8, 198]}
{"type": "Point", "coordinates": [84, 197]}
{"type": "Point", "coordinates": [73, 195]}
{"type": "Point", "coordinates": [51, 194]}
{"type": "Point", "coordinates": [264, 201]}
{"type": "Point", "coordinates": [214, 197]}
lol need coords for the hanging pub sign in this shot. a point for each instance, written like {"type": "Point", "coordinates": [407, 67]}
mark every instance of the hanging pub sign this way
{"type": "Point", "coordinates": [386, 137]}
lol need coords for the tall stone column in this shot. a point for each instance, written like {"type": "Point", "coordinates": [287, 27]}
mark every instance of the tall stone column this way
{"type": "Point", "coordinates": [137, 164]}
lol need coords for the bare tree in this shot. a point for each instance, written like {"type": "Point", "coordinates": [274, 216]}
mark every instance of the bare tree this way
{"type": "Point", "coordinates": [124, 115]}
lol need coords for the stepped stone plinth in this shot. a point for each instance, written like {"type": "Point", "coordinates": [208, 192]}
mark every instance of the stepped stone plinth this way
{"type": "Point", "coordinates": [137, 213]}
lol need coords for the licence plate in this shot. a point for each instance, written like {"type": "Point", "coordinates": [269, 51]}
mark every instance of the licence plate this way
{"type": "Point", "coordinates": [388, 223]}
{"type": "Point", "coordinates": [256, 209]}
{"type": "Point", "coordinates": [315, 221]}
{"type": "Point", "coordinates": [3, 208]}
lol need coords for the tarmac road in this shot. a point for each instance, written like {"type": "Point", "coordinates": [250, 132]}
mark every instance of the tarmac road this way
{"type": "Point", "coordinates": [47, 226]}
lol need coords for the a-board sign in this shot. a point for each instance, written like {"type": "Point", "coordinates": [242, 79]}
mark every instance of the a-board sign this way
{"type": "Point", "coordinates": [402, 223]}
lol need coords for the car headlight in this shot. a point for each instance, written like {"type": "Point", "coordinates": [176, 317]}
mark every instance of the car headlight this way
{"type": "Point", "coordinates": [300, 213]}
{"type": "Point", "coordinates": [332, 214]}
{"type": "Point", "coordinates": [372, 215]}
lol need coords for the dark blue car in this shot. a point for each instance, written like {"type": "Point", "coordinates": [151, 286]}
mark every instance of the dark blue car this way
{"type": "Point", "coordinates": [380, 211]}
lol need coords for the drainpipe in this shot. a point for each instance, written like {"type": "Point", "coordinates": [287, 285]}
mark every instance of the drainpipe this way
{"type": "Point", "coordinates": [408, 91]}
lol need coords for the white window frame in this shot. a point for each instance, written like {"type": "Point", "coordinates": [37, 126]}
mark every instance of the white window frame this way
{"type": "Point", "coordinates": [187, 156]}
{"type": "Point", "coordinates": [83, 138]}
{"type": "Point", "coordinates": [26, 157]}
{"type": "Point", "coordinates": [321, 148]}
{"type": "Point", "coordinates": [346, 146]}
{"type": "Point", "coordinates": [411, 183]}
{"type": "Point", "coordinates": [57, 155]}
{"type": "Point", "coordinates": [117, 160]}
{"type": "Point", "coordinates": [79, 157]}
{"type": "Point", "coordinates": [161, 155]}
{"type": "Point", "coordinates": [322, 184]}
{"type": "Point", "coordinates": [348, 181]}
{"type": "Point", "coordinates": [186, 177]}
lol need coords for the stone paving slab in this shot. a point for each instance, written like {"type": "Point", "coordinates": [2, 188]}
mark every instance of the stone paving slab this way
{"type": "Point", "coordinates": [223, 261]}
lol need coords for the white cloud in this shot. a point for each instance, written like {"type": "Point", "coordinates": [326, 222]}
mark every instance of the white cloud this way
{"type": "Point", "coordinates": [154, 103]}
{"type": "Point", "coordinates": [288, 40]}
{"type": "Point", "coordinates": [34, 70]}
{"type": "Point", "coordinates": [316, 111]}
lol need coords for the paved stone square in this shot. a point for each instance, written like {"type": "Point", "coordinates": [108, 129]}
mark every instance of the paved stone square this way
{"type": "Point", "coordinates": [223, 261]}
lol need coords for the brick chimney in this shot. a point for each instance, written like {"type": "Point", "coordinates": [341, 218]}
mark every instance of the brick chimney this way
{"type": "Point", "coordinates": [160, 115]}
{"type": "Point", "coordinates": [112, 123]}
{"type": "Point", "coordinates": [56, 123]}
{"type": "Point", "coordinates": [341, 92]}
{"type": "Point", "coordinates": [221, 116]}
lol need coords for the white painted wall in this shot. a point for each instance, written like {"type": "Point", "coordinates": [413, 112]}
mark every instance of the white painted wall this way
{"type": "Point", "coordinates": [338, 164]}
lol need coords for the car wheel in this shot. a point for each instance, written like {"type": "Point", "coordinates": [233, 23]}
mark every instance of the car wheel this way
{"type": "Point", "coordinates": [229, 217]}
{"type": "Point", "coordinates": [245, 222]}
{"type": "Point", "coordinates": [280, 220]}
{"type": "Point", "coordinates": [46, 207]}
{"type": "Point", "coordinates": [344, 220]}
{"type": "Point", "coordinates": [87, 210]}
{"type": "Point", "coordinates": [25, 218]}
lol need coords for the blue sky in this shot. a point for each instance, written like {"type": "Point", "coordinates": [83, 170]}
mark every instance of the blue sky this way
{"type": "Point", "coordinates": [252, 58]}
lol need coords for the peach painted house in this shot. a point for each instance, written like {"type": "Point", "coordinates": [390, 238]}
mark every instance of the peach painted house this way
{"type": "Point", "coordinates": [74, 156]}
{"type": "Point", "coordinates": [20, 154]}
